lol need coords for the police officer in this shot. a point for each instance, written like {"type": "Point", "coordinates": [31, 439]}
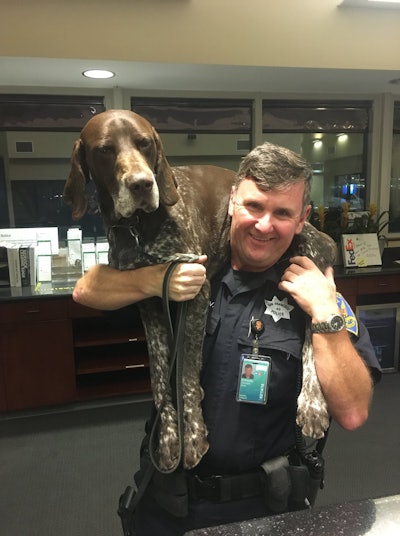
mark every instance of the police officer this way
{"type": "Point", "coordinates": [259, 305]}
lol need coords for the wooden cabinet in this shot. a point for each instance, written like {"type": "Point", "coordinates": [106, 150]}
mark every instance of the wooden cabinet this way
{"type": "Point", "coordinates": [375, 299]}
{"type": "Point", "coordinates": [36, 344]}
{"type": "Point", "coordinates": [348, 288]}
{"type": "Point", "coordinates": [110, 352]}
{"type": "Point", "coordinates": [54, 351]}
{"type": "Point", "coordinates": [379, 284]}
{"type": "Point", "coordinates": [3, 403]}
{"type": "Point", "coordinates": [365, 289]}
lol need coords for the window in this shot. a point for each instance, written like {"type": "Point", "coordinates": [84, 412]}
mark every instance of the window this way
{"type": "Point", "coordinates": [47, 112]}
{"type": "Point", "coordinates": [333, 138]}
{"type": "Point", "coordinates": [4, 218]}
{"type": "Point", "coordinates": [394, 206]}
{"type": "Point", "coordinates": [39, 203]}
{"type": "Point", "coordinates": [200, 131]}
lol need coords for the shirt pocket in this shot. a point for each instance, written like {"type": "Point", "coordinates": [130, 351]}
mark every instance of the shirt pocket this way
{"type": "Point", "coordinates": [213, 321]}
{"type": "Point", "coordinates": [285, 336]}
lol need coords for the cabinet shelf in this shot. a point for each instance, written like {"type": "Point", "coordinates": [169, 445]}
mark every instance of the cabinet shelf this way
{"type": "Point", "coordinates": [110, 354]}
{"type": "Point", "coordinates": [110, 358]}
{"type": "Point", "coordinates": [98, 337]}
{"type": "Point", "coordinates": [103, 385]}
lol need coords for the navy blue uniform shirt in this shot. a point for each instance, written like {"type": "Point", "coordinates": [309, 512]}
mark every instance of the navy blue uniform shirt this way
{"type": "Point", "coordinates": [243, 435]}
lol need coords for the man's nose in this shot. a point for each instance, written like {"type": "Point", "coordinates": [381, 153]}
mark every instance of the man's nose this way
{"type": "Point", "coordinates": [265, 223]}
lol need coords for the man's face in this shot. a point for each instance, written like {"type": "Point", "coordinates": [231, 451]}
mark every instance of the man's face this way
{"type": "Point", "coordinates": [248, 371]}
{"type": "Point", "coordinates": [264, 224]}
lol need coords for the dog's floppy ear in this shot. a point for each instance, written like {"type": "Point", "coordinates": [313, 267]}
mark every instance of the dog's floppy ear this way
{"type": "Point", "coordinates": [316, 245]}
{"type": "Point", "coordinates": [164, 175]}
{"type": "Point", "coordinates": [75, 187]}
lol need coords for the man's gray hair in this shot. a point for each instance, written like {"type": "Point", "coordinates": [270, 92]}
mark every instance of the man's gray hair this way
{"type": "Point", "coordinates": [274, 167]}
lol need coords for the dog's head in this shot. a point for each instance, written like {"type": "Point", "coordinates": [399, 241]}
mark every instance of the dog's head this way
{"type": "Point", "coordinates": [123, 154]}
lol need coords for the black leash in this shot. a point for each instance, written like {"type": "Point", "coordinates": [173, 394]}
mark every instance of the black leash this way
{"type": "Point", "coordinates": [130, 498]}
{"type": "Point", "coordinates": [175, 343]}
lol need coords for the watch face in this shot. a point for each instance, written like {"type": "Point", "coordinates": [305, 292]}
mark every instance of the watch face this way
{"type": "Point", "coordinates": [337, 322]}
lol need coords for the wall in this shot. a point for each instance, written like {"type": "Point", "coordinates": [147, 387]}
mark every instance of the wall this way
{"type": "Point", "coordinates": [286, 33]}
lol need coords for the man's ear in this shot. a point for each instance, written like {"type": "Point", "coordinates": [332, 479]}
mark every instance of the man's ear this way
{"type": "Point", "coordinates": [303, 219]}
{"type": "Point", "coordinates": [232, 201]}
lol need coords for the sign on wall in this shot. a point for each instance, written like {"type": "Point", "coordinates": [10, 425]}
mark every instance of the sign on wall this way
{"type": "Point", "coordinates": [360, 250]}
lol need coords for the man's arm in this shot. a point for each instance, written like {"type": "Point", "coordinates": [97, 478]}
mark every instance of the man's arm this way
{"type": "Point", "coordinates": [106, 288]}
{"type": "Point", "coordinates": [345, 379]}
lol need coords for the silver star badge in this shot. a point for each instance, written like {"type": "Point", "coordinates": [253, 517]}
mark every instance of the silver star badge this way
{"type": "Point", "coordinates": [278, 308]}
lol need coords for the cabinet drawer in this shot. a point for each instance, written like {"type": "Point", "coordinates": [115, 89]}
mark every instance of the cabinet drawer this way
{"type": "Point", "coordinates": [346, 286]}
{"type": "Point", "coordinates": [379, 284]}
{"type": "Point", "coordinates": [33, 310]}
{"type": "Point", "coordinates": [76, 310]}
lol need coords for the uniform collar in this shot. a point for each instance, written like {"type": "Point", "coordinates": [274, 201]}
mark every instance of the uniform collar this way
{"type": "Point", "coordinates": [242, 281]}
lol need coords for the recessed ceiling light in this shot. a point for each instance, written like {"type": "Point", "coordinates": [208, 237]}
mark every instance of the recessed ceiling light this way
{"type": "Point", "coordinates": [98, 73]}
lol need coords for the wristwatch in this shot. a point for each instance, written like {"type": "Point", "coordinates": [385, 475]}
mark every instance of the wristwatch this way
{"type": "Point", "coordinates": [333, 325]}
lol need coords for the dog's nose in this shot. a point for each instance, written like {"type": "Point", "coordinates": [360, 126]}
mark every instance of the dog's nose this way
{"type": "Point", "coordinates": [140, 185]}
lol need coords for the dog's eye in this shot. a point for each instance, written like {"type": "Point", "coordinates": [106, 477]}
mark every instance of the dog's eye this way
{"type": "Point", "coordinates": [105, 149]}
{"type": "Point", "coordinates": [144, 143]}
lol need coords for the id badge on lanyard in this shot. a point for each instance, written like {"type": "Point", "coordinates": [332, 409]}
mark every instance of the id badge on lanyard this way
{"type": "Point", "coordinates": [253, 378]}
{"type": "Point", "coordinates": [254, 371]}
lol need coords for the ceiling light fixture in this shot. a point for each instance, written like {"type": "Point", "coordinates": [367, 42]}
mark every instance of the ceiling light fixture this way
{"type": "Point", "coordinates": [98, 73]}
{"type": "Point", "coordinates": [317, 143]}
{"type": "Point", "coordinates": [369, 4]}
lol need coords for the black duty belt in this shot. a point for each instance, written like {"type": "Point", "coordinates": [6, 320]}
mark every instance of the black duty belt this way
{"type": "Point", "coordinates": [222, 488]}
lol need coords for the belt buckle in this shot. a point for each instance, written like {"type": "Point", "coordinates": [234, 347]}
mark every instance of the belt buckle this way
{"type": "Point", "coordinates": [211, 486]}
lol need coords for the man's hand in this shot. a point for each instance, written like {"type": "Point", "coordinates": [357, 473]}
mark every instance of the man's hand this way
{"type": "Point", "coordinates": [186, 280]}
{"type": "Point", "coordinates": [314, 291]}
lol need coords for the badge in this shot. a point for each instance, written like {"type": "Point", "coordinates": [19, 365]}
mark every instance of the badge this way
{"type": "Point", "coordinates": [256, 327]}
{"type": "Point", "coordinates": [254, 373]}
{"type": "Point", "coordinates": [278, 308]}
{"type": "Point", "coordinates": [347, 313]}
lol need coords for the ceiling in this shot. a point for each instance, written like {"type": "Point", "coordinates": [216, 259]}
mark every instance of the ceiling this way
{"type": "Point", "coordinates": [138, 76]}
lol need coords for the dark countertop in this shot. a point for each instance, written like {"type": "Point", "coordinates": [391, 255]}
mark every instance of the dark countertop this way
{"type": "Point", "coordinates": [391, 268]}
{"type": "Point", "coordinates": [373, 517]}
{"type": "Point", "coordinates": [65, 286]}
{"type": "Point", "coordinates": [48, 290]}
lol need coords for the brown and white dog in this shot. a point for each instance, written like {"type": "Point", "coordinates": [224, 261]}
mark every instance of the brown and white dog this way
{"type": "Point", "coordinates": [155, 213]}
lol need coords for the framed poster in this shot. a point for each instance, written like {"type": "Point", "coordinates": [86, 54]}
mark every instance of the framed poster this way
{"type": "Point", "coordinates": [360, 250]}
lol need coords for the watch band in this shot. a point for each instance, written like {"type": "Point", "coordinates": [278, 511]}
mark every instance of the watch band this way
{"type": "Point", "coordinates": [335, 324]}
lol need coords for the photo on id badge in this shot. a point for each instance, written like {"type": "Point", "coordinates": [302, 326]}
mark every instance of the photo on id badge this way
{"type": "Point", "coordinates": [253, 378]}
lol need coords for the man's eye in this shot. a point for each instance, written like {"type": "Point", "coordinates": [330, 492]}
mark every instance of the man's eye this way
{"type": "Point", "coordinates": [282, 213]}
{"type": "Point", "coordinates": [254, 207]}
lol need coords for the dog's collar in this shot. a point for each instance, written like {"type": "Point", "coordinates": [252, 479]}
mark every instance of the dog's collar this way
{"type": "Point", "coordinates": [132, 231]}
{"type": "Point", "coordinates": [133, 228]}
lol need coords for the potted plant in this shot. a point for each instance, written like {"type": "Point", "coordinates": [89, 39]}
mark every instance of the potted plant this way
{"type": "Point", "coordinates": [336, 221]}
